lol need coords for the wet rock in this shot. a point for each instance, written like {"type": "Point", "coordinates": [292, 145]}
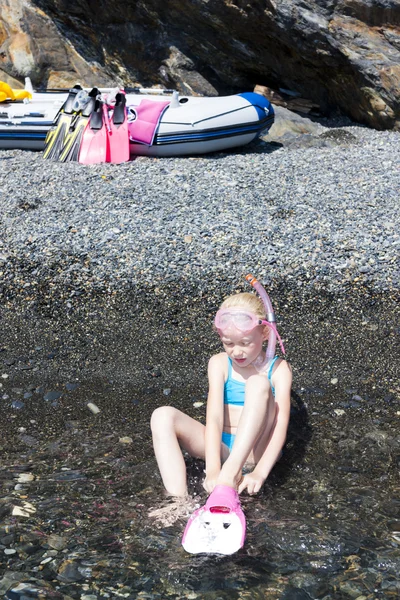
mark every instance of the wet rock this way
{"type": "Point", "coordinates": [28, 440]}
{"type": "Point", "coordinates": [35, 589]}
{"type": "Point", "coordinates": [57, 542]}
{"type": "Point", "coordinates": [378, 436]}
{"type": "Point", "coordinates": [71, 386]}
{"type": "Point", "coordinates": [9, 361]}
{"type": "Point", "coordinates": [156, 372]}
{"type": "Point", "coordinates": [51, 396]}
{"type": "Point", "coordinates": [126, 440]}
{"type": "Point", "coordinates": [71, 571]}
{"type": "Point", "coordinates": [17, 404]}
{"type": "Point", "coordinates": [26, 509]}
{"type": "Point", "coordinates": [9, 579]}
{"type": "Point", "coordinates": [25, 477]}
{"type": "Point", "coordinates": [352, 589]}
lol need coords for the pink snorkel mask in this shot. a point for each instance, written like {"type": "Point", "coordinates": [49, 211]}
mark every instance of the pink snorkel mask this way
{"type": "Point", "coordinates": [243, 321]}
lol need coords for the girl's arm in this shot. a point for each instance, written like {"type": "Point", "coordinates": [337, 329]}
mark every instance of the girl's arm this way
{"type": "Point", "coordinates": [282, 383]}
{"type": "Point", "coordinates": [214, 420]}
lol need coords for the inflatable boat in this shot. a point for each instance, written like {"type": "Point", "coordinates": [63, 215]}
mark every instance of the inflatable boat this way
{"type": "Point", "coordinates": [177, 125]}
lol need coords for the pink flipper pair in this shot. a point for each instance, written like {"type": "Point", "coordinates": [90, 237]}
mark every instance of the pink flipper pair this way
{"type": "Point", "coordinates": [104, 139]}
{"type": "Point", "coordinates": [218, 527]}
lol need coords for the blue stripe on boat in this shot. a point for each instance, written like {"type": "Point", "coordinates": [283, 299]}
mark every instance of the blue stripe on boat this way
{"type": "Point", "coordinates": [215, 133]}
{"type": "Point", "coordinates": [23, 136]}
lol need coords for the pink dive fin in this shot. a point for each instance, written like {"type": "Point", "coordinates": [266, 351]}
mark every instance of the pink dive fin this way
{"type": "Point", "coordinates": [218, 527]}
{"type": "Point", "coordinates": [118, 136]}
{"type": "Point", "coordinates": [94, 140]}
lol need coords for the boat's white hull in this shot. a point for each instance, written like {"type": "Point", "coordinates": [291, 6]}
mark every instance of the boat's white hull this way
{"type": "Point", "coordinates": [21, 127]}
{"type": "Point", "coordinates": [191, 148]}
{"type": "Point", "coordinates": [191, 125]}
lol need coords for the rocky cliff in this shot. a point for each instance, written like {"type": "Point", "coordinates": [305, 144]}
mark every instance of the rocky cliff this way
{"type": "Point", "coordinates": [340, 54]}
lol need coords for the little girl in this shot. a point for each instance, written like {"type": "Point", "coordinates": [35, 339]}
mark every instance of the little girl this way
{"type": "Point", "coordinates": [248, 405]}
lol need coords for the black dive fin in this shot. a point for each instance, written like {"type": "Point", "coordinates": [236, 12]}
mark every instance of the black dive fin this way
{"type": "Point", "coordinates": [56, 135]}
{"type": "Point", "coordinates": [70, 151]}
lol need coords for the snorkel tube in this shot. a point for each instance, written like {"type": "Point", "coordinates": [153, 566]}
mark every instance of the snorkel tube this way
{"type": "Point", "coordinates": [260, 364]}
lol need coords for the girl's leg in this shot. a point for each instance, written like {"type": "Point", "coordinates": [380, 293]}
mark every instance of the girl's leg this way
{"type": "Point", "coordinates": [256, 420]}
{"type": "Point", "coordinates": [173, 430]}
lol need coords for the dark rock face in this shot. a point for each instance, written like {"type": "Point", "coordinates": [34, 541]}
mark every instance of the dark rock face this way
{"type": "Point", "coordinates": [338, 53]}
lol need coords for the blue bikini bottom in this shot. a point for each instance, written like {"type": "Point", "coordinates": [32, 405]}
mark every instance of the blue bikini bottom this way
{"type": "Point", "coordinates": [228, 439]}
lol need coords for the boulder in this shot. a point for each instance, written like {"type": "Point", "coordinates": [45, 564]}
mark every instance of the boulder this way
{"type": "Point", "coordinates": [341, 55]}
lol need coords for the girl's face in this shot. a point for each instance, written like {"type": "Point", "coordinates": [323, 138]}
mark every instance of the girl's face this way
{"type": "Point", "coordinates": [244, 348]}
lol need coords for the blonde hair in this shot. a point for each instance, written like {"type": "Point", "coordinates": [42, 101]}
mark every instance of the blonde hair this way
{"type": "Point", "coordinates": [250, 302]}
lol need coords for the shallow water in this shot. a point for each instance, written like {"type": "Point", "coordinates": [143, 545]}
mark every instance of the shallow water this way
{"type": "Point", "coordinates": [327, 523]}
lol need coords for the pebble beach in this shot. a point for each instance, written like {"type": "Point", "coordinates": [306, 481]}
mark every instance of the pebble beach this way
{"type": "Point", "coordinates": [110, 276]}
{"type": "Point", "coordinates": [323, 211]}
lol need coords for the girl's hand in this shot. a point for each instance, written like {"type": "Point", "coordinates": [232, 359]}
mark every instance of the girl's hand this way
{"type": "Point", "coordinates": [210, 482]}
{"type": "Point", "coordinates": [253, 482]}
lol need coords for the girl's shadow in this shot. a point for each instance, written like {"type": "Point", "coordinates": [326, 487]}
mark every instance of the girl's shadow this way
{"type": "Point", "coordinates": [298, 437]}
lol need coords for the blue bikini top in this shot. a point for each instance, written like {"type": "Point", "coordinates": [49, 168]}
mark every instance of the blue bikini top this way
{"type": "Point", "coordinates": [234, 390]}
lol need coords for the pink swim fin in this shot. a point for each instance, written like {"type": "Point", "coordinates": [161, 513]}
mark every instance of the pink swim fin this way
{"type": "Point", "coordinates": [219, 527]}
{"type": "Point", "coordinates": [94, 143]}
{"type": "Point", "coordinates": [118, 135]}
